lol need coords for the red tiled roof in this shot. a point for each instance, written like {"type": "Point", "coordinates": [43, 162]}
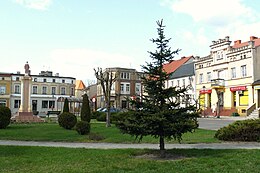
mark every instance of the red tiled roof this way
{"type": "Point", "coordinates": [175, 64]}
{"type": "Point", "coordinates": [257, 43]}
{"type": "Point", "coordinates": [80, 85]}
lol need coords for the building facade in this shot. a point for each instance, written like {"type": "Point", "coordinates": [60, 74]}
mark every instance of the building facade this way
{"type": "Point", "coordinates": [184, 77]}
{"type": "Point", "coordinates": [46, 91]}
{"type": "Point", "coordinates": [127, 85]}
{"type": "Point", "coordinates": [225, 78]}
{"type": "Point", "coordinates": [5, 89]}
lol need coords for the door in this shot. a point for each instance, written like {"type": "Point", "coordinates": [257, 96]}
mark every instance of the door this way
{"type": "Point", "coordinates": [258, 96]}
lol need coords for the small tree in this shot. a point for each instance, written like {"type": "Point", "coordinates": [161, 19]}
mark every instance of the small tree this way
{"type": "Point", "coordinates": [106, 79]}
{"type": "Point", "coordinates": [66, 105]}
{"type": "Point", "coordinates": [160, 114]}
{"type": "Point", "coordinates": [85, 113]}
{"type": "Point", "coordinates": [5, 117]}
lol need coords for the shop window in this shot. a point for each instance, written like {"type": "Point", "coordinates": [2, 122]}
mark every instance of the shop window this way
{"type": "Point", "coordinates": [243, 98]}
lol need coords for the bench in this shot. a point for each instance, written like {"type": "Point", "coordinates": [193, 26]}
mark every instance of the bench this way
{"type": "Point", "coordinates": [53, 112]}
{"type": "Point", "coordinates": [53, 116]}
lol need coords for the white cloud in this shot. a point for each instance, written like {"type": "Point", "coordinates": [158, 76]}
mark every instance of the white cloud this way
{"type": "Point", "coordinates": [213, 12]}
{"type": "Point", "coordinates": [35, 4]}
{"type": "Point", "coordinates": [80, 63]}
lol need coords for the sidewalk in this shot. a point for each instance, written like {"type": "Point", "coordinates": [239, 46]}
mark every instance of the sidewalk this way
{"type": "Point", "coordinates": [225, 145]}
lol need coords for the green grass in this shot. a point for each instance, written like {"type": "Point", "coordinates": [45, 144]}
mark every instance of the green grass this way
{"type": "Point", "coordinates": [53, 132]}
{"type": "Point", "coordinates": [17, 159]}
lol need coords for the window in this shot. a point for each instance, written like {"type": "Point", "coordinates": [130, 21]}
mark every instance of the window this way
{"type": "Point", "coordinates": [137, 88]}
{"type": "Point", "coordinates": [53, 80]}
{"type": "Point", "coordinates": [17, 103]}
{"type": "Point", "coordinates": [243, 71]}
{"type": "Point", "coordinates": [243, 98]}
{"type": "Point", "coordinates": [183, 82]}
{"type": "Point", "coordinates": [63, 81]}
{"type": "Point", "coordinates": [122, 87]}
{"type": "Point", "coordinates": [35, 90]}
{"type": "Point", "coordinates": [124, 75]}
{"type": "Point", "coordinates": [51, 104]}
{"type": "Point", "coordinates": [2, 102]}
{"type": "Point", "coordinates": [44, 80]}
{"type": "Point", "coordinates": [3, 78]}
{"type": "Point", "coordinates": [35, 80]}
{"type": "Point", "coordinates": [17, 78]}
{"type": "Point", "coordinates": [125, 88]}
{"type": "Point", "coordinates": [172, 83]}
{"type": "Point", "coordinates": [71, 81]}
{"type": "Point", "coordinates": [113, 87]}
{"type": "Point", "coordinates": [178, 83]}
{"type": "Point", "coordinates": [44, 104]}
{"type": "Point", "coordinates": [209, 76]}
{"type": "Point", "coordinates": [233, 72]}
{"type": "Point", "coordinates": [201, 78]}
{"type": "Point", "coordinates": [44, 90]}
{"type": "Point", "coordinates": [17, 89]}
{"type": "Point", "coordinates": [53, 90]}
{"type": "Point", "coordinates": [2, 89]}
{"type": "Point", "coordinates": [72, 91]}
{"type": "Point", "coordinates": [63, 91]}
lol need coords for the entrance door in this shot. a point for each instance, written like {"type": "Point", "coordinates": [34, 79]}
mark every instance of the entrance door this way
{"type": "Point", "coordinates": [234, 99]}
{"type": "Point", "coordinates": [34, 105]}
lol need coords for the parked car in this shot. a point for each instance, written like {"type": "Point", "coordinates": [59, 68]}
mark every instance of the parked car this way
{"type": "Point", "coordinates": [100, 109]}
{"type": "Point", "coordinates": [111, 110]}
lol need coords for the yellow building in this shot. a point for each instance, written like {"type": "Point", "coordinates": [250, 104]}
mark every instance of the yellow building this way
{"type": "Point", "coordinates": [5, 89]}
{"type": "Point", "coordinates": [227, 79]}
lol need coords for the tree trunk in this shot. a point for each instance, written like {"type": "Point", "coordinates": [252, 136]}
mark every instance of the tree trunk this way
{"type": "Point", "coordinates": [162, 143]}
{"type": "Point", "coordinates": [108, 119]}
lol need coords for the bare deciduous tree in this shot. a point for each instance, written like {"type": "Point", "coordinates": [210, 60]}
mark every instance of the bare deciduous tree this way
{"type": "Point", "coordinates": [106, 79]}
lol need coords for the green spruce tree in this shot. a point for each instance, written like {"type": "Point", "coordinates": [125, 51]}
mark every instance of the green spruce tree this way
{"type": "Point", "coordinates": [85, 113]}
{"type": "Point", "coordinates": [159, 113]}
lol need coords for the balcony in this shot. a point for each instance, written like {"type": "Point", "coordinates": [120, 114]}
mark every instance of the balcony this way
{"type": "Point", "coordinates": [217, 83]}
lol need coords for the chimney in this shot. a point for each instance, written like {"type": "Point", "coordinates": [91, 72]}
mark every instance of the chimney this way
{"type": "Point", "coordinates": [253, 38]}
{"type": "Point", "coordinates": [237, 42]}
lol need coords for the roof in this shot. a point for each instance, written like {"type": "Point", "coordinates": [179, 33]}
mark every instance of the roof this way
{"type": "Point", "coordinates": [175, 64]}
{"type": "Point", "coordinates": [183, 71]}
{"type": "Point", "coordinates": [252, 38]}
{"type": "Point", "coordinates": [80, 85]}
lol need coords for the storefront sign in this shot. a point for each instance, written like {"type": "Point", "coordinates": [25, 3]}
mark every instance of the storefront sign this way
{"type": "Point", "coordinates": [238, 88]}
{"type": "Point", "coordinates": [206, 91]}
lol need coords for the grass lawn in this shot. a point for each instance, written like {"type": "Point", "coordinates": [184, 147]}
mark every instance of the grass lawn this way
{"type": "Point", "coordinates": [46, 159]}
{"type": "Point", "coordinates": [53, 132]}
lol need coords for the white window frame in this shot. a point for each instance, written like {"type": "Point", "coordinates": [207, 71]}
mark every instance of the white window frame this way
{"type": "Point", "coordinates": [243, 71]}
{"type": "Point", "coordinates": [17, 89]}
{"type": "Point", "coordinates": [233, 72]}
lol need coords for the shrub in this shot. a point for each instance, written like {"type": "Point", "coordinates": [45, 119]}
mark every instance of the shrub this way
{"type": "Point", "coordinates": [83, 127]}
{"type": "Point", "coordinates": [85, 113]}
{"type": "Point", "coordinates": [235, 114]}
{"type": "Point", "coordinates": [101, 116]}
{"type": "Point", "coordinates": [5, 117]}
{"type": "Point", "coordinates": [246, 130]}
{"type": "Point", "coordinates": [67, 120]}
{"type": "Point", "coordinates": [66, 106]}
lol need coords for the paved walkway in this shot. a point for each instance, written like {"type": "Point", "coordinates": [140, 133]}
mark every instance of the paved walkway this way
{"type": "Point", "coordinates": [226, 145]}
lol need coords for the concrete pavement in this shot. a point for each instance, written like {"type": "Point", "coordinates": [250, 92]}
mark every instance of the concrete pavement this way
{"type": "Point", "coordinates": [225, 145]}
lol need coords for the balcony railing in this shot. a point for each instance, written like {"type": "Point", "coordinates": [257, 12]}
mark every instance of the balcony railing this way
{"type": "Point", "coordinates": [217, 83]}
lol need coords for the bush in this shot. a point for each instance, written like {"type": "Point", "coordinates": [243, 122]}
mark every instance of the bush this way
{"type": "Point", "coordinates": [246, 130]}
{"type": "Point", "coordinates": [5, 117]}
{"type": "Point", "coordinates": [235, 114]}
{"type": "Point", "coordinates": [83, 127]}
{"type": "Point", "coordinates": [85, 113]}
{"type": "Point", "coordinates": [67, 120]}
{"type": "Point", "coordinates": [101, 116]}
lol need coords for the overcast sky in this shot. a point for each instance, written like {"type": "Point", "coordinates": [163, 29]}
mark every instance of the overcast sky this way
{"type": "Point", "coordinates": [71, 37]}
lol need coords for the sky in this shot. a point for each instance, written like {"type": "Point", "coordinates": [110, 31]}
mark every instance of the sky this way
{"type": "Point", "coordinates": [72, 37]}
